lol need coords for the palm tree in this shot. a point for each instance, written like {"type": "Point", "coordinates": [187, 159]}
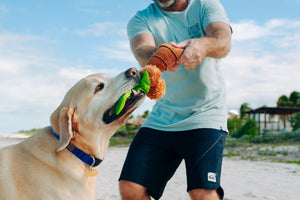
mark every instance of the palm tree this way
{"type": "Point", "coordinates": [292, 101]}
{"type": "Point", "coordinates": [295, 99]}
{"type": "Point", "coordinates": [244, 107]}
{"type": "Point", "coordinates": [283, 101]}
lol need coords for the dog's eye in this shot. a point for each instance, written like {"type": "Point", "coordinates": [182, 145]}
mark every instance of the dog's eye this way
{"type": "Point", "coordinates": [99, 87]}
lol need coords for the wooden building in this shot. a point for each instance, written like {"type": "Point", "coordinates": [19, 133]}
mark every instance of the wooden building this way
{"type": "Point", "coordinates": [273, 118]}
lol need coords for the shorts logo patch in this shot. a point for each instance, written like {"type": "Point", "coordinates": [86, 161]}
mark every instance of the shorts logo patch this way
{"type": "Point", "coordinates": [212, 177]}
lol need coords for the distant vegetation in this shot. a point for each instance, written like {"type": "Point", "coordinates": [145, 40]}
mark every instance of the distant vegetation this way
{"type": "Point", "coordinates": [292, 101]}
{"type": "Point", "coordinates": [30, 132]}
{"type": "Point", "coordinates": [283, 138]}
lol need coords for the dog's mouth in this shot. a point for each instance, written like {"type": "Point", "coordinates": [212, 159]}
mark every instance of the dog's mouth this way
{"type": "Point", "coordinates": [133, 97]}
{"type": "Point", "coordinates": [128, 101]}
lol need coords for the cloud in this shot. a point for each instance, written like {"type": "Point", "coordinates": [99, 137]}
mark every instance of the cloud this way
{"type": "Point", "coordinates": [10, 48]}
{"type": "Point", "coordinates": [33, 82]}
{"type": "Point", "coordinates": [101, 29]}
{"type": "Point", "coordinates": [74, 73]}
{"type": "Point", "coordinates": [263, 63]}
{"type": "Point", "coordinates": [250, 29]}
{"type": "Point", "coordinates": [119, 50]}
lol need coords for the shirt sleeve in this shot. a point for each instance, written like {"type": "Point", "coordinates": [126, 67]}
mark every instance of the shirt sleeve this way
{"type": "Point", "coordinates": [136, 26]}
{"type": "Point", "coordinates": [213, 11]}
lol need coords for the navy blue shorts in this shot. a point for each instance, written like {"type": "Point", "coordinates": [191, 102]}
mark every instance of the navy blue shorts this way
{"type": "Point", "coordinates": [154, 156]}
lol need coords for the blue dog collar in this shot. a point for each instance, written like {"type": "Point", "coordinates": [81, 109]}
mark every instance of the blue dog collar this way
{"type": "Point", "coordinates": [91, 161]}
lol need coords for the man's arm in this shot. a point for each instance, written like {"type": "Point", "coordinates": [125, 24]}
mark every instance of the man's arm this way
{"type": "Point", "coordinates": [215, 44]}
{"type": "Point", "coordinates": [142, 47]}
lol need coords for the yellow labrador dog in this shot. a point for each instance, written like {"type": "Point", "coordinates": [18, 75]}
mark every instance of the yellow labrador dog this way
{"type": "Point", "coordinates": [59, 162]}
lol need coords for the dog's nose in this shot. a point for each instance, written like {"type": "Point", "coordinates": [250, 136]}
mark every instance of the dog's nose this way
{"type": "Point", "coordinates": [131, 72]}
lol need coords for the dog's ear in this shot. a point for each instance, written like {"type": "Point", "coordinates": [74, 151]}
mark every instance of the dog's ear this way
{"type": "Point", "coordinates": [65, 127]}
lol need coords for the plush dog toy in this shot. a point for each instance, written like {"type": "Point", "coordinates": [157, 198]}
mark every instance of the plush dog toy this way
{"type": "Point", "coordinates": [165, 56]}
{"type": "Point", "coordinates": [151, 84]}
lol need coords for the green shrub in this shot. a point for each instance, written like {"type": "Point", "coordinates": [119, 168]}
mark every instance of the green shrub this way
{"type": "Point", "coordinates": [249, 129]}
{"type": "Point", "coordinates": [234, 124]}
{"type": "Point", "coordinates": [295, 120]}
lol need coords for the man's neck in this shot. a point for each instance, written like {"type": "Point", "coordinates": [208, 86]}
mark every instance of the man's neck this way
{"type": "Point", "coordinates": [180, 6]}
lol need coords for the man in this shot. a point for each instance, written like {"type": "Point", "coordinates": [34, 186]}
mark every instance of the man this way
{"type": "Point", "coordinates": [190, 121]}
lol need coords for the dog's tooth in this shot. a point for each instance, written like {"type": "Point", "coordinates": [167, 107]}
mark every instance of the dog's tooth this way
{"type": "Point", "coordinates": [134, 92]}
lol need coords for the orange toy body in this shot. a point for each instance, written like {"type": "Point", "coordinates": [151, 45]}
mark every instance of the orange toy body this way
{"type": "Point", "coordinates": [165, 56]}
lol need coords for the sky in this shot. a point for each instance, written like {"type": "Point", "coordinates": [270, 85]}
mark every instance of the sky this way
{"type": "Point", "coordinates": [47, 46]}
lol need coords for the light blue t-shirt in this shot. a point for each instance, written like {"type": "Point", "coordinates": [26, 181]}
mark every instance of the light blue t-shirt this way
{"type": "Point", "coordinates": [194, 98]}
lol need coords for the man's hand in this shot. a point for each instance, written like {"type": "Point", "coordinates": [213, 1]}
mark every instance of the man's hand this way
{"type": "Point", "coordinates": [193, 54]}
{"type": "Point", "coordinates": [215, 44]}
{"type": "Point", "coordinates": [174, 68]}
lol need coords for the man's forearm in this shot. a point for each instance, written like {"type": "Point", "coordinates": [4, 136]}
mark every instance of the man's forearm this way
{"type": "Point", "coordinates": [218, 44]}
{"type": "Point", "coordinates": [143, 54]}
{"type": "Point", "coordinates": [142, 47]}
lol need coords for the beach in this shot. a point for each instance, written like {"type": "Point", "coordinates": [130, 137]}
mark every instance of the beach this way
{"type": "Point", "coordinates": [241, 179]}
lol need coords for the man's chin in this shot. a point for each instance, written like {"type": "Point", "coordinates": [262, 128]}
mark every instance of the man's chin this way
{"type": "Point", "coordinates": [165, 3]}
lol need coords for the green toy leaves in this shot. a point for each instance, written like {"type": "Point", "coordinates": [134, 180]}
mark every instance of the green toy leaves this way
{"type": "Point", "coordinates": [121, 103]}
{"type": "Point", "coordinates": [143, 86]}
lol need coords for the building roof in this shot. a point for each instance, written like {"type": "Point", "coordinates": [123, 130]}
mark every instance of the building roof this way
{"type": "Point", "coordinates": [275, 110]}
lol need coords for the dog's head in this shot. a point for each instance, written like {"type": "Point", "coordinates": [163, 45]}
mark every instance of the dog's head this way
{"type": "Point", "coordinates": [88, 107]}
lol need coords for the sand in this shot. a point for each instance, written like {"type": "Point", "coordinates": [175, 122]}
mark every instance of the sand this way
{"type": "Point", "coordinates": [241, 179]}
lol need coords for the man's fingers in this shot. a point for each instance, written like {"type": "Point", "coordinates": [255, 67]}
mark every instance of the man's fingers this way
{"type": "Point", "coordinates": [172, 43]}
{"type": "Point", "coordinates": [181, 45]}
{"type": "Point", "coordinates": [174, 68]}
